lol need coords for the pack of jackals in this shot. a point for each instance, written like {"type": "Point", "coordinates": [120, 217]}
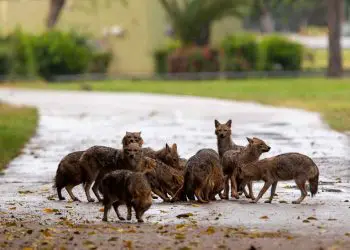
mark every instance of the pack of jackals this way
{"type": "Point", "coordinates": [134, 175]}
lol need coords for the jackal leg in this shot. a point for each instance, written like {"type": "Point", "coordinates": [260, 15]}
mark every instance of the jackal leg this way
{"type": "Point", "coordinates": [115, 206]}
{"type": "Point", "coordinates": [273, 191]}
{"type": "Point", "coordinates": [301, 185]}
{"type": "Point", "coordinates": [70, 192]}
{"type": "Point", "coordinates": [262, 191]}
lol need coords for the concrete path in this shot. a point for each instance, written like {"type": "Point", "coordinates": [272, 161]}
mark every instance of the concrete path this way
{"type": "Point", "coordinates": [77, 120]}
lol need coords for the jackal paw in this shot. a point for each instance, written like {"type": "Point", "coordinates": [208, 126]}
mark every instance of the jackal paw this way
{"type": "Point", "coordinates": [91, 200]}
{"type": "Point", "coordinates": [61, 198]}
{"type": "Point", "coordinates": [253, 201]}
{"type": "Point", "coordinates": [154, 197]}
{"type": "Point", "coordinates": [140, 220]}
{"type": "Point", "coordinates": [296, 202]}
{"type": "Point", "coordinates": [121, 218]}
{"type": "Point", "coordinates": [104, 219]}
{"type": "Point", "coordinates": [267, 201]}
{"type": "Point", "coordinates": [129, 217]}
{"type": "Point", "coordinates": [76, 199]}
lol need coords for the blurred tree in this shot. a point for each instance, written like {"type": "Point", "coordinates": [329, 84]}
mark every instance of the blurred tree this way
{"type": "Point", "coordinates": [191, 20]}
{"type": "Point", "coordinates": [335, 17]}
{"type": "Point", "coordinates": [270, 13]}
{"type": "Point", "coordinates": [56, 7]}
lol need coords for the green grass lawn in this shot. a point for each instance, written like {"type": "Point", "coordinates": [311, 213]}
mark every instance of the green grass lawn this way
{"type": "Point", "coordinates": [17, 125]}
{"type": "Point", "coordinates": [329, 97]}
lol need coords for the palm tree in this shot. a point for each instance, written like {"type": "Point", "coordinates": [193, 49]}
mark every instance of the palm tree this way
{"type": "Point", "coordinates": [192, 19]}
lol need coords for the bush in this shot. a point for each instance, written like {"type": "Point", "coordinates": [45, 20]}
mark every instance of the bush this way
{"type": "Point", "coordinates": [100, 62]}
{"type": "Point", "coordinates": [278, 52]}
{"type": "Point", "coordinates": [160, 56]}
{"type": "Point", "coordinates": [240, 52]}
{"type": "Point", "coordinates": [5, 60]}
{"type": "Point", "coordinates": [61, 53]}
{"type": "Point", "coordinates": [195, 59]}
{"type": "Point", "coordinates": [23, 61]}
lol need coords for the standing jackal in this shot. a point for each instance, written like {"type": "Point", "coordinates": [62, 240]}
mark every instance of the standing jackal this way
{"type": "Point", "coordinates": [223, 135]}
{"type": "Point", "coordinates": [203, 176]}
{"type": "Point", "coordinates": [233, 159]}
{"type": "Point", "coordinates": [283, 167]}
{"type": "Point", "coordinates": [126, 187]}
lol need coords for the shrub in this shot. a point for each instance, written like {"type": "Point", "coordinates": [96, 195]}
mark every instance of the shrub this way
{"type": "Point", "coordinates": [194, 59]}
{"type": "Point", "coordinates": [22, 61]}
{"type": "Point", "coordinates": [160, 55]}
{"type": "Point", "coordinates": [280, 52]}
{"type": "Point", "coordinates": [240, 52]}
{"type": "Point", "coordinates": [5, 60]}
{"type": "Point", "coordinates": [100, 62]}
{"type": "Point", "coordinates": [61, 53]}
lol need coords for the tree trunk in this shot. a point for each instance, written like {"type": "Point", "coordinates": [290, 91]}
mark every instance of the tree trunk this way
{"type": "Point", "coordinates": [55, 10]}
{"type": "Point", "coordinates": [204, 37]}
{"type": "Point", "coordinates": [335, 10]}
{"type": "Point", "coordinates": [266, 21]}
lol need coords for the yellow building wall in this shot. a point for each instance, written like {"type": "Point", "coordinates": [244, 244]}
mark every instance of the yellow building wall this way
{"type": "Point", "coordinates": [144, 22]}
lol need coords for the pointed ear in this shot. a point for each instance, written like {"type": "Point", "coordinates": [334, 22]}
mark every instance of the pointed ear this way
{"type": "Point", "coordinates": [217, 123]}
{"type": "Point", "coordinates": [250, 140]}
{"type": "Point", "coordinates": [167, 148]}
{"type": "Point", "coordinates": [127, 133]}
{"type": "Point", "coordinates": [138, 133]}
{"type": "Point", "coordinates": [174, 147]}
{"type": "Point", "coordinates": [229, 123]}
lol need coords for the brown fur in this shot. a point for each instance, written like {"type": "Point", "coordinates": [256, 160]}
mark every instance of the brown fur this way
{"type": "Point", "coordinates": [126, 187]}
{"type": "Point", "coordinates": [165, 180]}
{"type": "Point", "coordinates": [232, 159]}
{"type": "Point", "coordinates": [203, 176]}
{"type": "Point", "coordinates": [167, 155]}
{"type": "Point", "coordinates": [100, 160]}
{"type": "Point", "coordinates": [132, 137]}
{"type": "Point", "coordinates": [69, 174]}
{"type": "Point", "coordinates": [289, 166]}
{"type": "Point", "coordinates": [223, 135]}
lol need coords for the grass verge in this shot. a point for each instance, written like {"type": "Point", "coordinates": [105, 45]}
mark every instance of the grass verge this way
{"type": "Point", "coordinates": [329, 97]}
{"type": "Point", "coordinates": [17, 125]}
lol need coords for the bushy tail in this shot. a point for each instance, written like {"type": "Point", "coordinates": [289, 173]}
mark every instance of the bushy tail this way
{"type": "Point", "coordinates": [314, 185]}
{"type": "Point", "coordinates": [58, 180]}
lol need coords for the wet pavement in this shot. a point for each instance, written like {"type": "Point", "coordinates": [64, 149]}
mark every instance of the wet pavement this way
{"type": "Point", "coordinates": [72, 121]}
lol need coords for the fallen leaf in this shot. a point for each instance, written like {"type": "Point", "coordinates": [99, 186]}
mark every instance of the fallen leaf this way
{"type": "Point", "coordinates": [27, 248]}
{"type": "Point", "coordinates": [282, 201]}
{"type": "Point", "coordinates": [101, 209]}
{"type": "Point", "coordinates": [46, 232]}
{"type": "Point", "coordinates": [347, 234]}
{"type": "Point", "coordinates": [113, 239]}
{"type": "Point", "coordinates": [29, 231]}
{"type": "Point", "coordinates": [50, 210]}
{"type": "Point", "coordinates": [180, 236]}
{"type": "Point", "coordinates": [311, 218]}
{"type": "Point", "coordinates": [25, 192]}
{"type": "Point", "coordinates": [306, 221]}
{"type": "Point", "coordinates": [195, 205]}
{"type": "Point", "coordinates": [180, 226]}
{"type": "Point", "coordinates": [264, 217]}
{"type": "Point", "coordinates": [127, 244]}
{"type": "Point", "coordinates": [89, 244]}
{"type": "Point", "coordinates": [332, 219]}
{"type": "Point", "coordinates": [12, 208]}
{"type": "Point", "coordinates": [210, 230]}
{"type": "Point", "coordinates": [185, 215]}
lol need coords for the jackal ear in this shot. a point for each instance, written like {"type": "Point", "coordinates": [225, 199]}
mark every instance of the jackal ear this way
{"type": "Point", "coordinates": [138, 133]}
{"type": "Point", "coordinates": [127, 133]}
{"type": "Point", "coordinates": [239, 171]}
{"type": "Point", "coordinates": [229, 123]}
{"type": "Point", "coordinates": [174, 147]}
{"type": "Point", "coordinates": [217, 123]}
{"type": "Point", "coordinates": [167, 148]}
{"type": "Point", "coordinates": [250, 140]}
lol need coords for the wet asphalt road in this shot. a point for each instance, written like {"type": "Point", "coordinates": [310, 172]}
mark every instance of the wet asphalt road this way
{"type": "Point", "coordinates": [72, 121]}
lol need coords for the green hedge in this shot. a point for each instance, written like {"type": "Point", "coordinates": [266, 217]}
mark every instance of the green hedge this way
{"type": "Point", "coordinates": [240, 52]}
{"type": "Point", "coordinates": [49, 54]}
{"type": "Point", "coordinates": [278, 52]}
{"type": "Point", "coordinates": [244, 52]}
